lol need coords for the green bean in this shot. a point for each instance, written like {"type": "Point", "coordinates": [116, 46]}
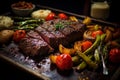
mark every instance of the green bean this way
{"type": "Point", "coordinates": [22, 23]}
{"type": "Point", "coordinates": [76, 59]}
{"type": "Point", "coordinates": [83, 64]}
{"type": "Point", "coordinates": [91, 63]}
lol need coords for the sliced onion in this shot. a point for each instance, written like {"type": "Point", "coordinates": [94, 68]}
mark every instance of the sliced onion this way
{"type": "Point", "coordinates": [87, 35]}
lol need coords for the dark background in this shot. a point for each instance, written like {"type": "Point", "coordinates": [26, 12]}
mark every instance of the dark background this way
{"type": "Point", "coordinates": [82, 7]}
{"type": "Point", "coordinates": [75, 6]}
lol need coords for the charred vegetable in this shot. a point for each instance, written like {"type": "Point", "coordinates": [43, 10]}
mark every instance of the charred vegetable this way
{"type": "Point", "coordinates": [28, 24]}
{"type": "Point", "coordinates": [91, 63]}
{"type": "Point", "coordinates": [18, 35]}
{"type": "Point", "coordinates": [83, 64]}
{"type": "Point", "coordinates": [114, 55]}
{"type": "Point", "coordinates": [64, 50]}
{"type": "Point", "coordinates": [62, 61]}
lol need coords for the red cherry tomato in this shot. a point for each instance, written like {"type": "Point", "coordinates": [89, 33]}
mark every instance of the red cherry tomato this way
{"type": "Point", "coordinates": [85, 45]}
{"type": "Point", "coordinates": [97, 32]}
{"type": "Point", "coordinates": [114, 55]}
{"type": "Point", "coordinates": [64, 62]}
{"type": "Point", "coordinates": [62, 16]}
{"type": "Point", "coordinates": [18, 35]}
{"type": "Point", "coordinates": [50, 16]}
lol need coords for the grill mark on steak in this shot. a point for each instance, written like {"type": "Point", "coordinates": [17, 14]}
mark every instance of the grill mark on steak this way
{"type": "Point", "coordinates": [60, 37]}
{"type": "Point", "coordinates": [47, 36]}
{"type": "Point", "coordinates": [34, 34]}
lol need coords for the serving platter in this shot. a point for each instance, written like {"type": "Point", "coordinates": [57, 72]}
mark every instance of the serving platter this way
{"type": "Point", "coordinates": [43, 69]}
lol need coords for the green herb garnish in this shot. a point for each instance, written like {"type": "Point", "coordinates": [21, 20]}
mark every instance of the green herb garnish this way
{"type": "Point", "coordinates": [59, 26]}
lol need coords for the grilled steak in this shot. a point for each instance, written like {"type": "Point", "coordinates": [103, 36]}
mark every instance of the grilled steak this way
{"type": "Point", "coordinates": [60, 38]}
{"type": "Point", "coordinates": [33, 45]}
{"type": "Point", "coordinates": [49, 35]}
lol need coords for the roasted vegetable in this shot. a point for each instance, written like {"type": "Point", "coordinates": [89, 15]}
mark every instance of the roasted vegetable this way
{"type": "Point", "coordinates": [62, 16]}
{"type": "Point", "coordinates": [95, 44]}
{"type": "Point", "coordinates": [114, 55]}
{"type": "Point", "coordinates": [85, 45]}
{"type": "Point", "coordinates": [87, 21]}
{"type": "Point", "coordinates": [5, 36]}
{"type": "Point", "coordinates": [18, 35]}
{"type": "Point", "coordinates": [73, 18]}
{"type": "Point", "coordinates": [94, 27]}
{"type": "Point", "coordinates": [77, 46]}
{"type": "Point", "coordinates": [82, 45]}
{"type": "Point", "coordinates": [65, 50]}
{"type": "Point", "coordinates": [83, 64]}
{"type": "Point", "coordinates": [90, 63]}
{"type": "Point", "coordinates": [108, 35]}
{"type": "Point", "coordinates": [96, 32]}
{"type": "Point", "coordinates": [62, 61]}
{"type": "Point", "coordinates": [53, 58]}
{"type": "Point", "coordinates": [31, 21]}
{"type": "Point", "coordinates": [97, 56]}
{"type": "Point", "coordinates": [50, 16]}
{"type": "Point", "coordinates": [87, 35]}
{"type": "Point", "coordinates": [76, 60]}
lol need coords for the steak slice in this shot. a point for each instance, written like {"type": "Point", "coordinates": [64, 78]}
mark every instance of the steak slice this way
{"type": "Point", "coordinates": [33, 45]}
{"type": "Point", "coordinates": [60, 37]}
{"type": "Point", "coordinates": [47, 36]}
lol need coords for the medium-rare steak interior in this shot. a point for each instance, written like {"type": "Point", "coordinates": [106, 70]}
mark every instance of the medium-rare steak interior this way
{"type": "Point", "coordinates": [47, 36]}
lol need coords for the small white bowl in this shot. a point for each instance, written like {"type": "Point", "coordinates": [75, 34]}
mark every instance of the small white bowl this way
{"type": "Point", "coordinates": [22, 12]}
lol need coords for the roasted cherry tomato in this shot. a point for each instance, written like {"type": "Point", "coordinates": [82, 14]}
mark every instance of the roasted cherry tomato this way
{"type": "Point", "coordinates": [97, 32]}
{"type": "Point", "coordinates": [50, 16]}
{"type": "Point", "coordinates": [64, 62]}
{"type": "Point", "coordinates": [62, 16]}
{"type": "Point", "coordinates": [18, 35]}
{"type": "Point", "coordinates": [114, 55]}
{"type": "Point", "coordinates": [85, 45]}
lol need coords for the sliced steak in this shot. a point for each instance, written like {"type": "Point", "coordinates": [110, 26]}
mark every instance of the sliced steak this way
{"type": "Point", "coordinates": [34, 45]}
{"type": "Point", "coordinates": [34, 34]}
{"type": "Point", "coordinates": [60, 37]}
